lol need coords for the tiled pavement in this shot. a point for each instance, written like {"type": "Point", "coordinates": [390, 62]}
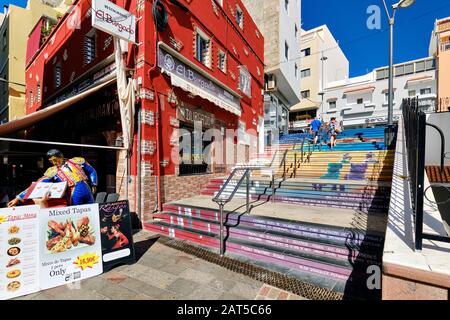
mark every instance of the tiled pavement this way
{"type": "Point", "coordinates": [163, 273]}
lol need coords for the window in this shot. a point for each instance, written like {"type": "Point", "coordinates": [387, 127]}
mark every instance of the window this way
{"type": "Point", "coordinates": [332, 105]}
{"type": "Point", "coordinates": [409, 68]}
{"type": "Point", "coordinates": [382, 74]}
{"type": "Point", "coordinates": [425, 91]}
{"type": "Point", "coordinates": [306, 94]}
{"type": "Point", "coordinates": [222, 61]}
{"type": "Point", "coordinates": [305, 52]}
{"type": "Point", "coordinates": [360, 101]}
{"type": "Point", "coordinates": [38, 93]}
{"type": "Point", "coordinates": [386, 96]}
{"type": "Point", "coordinates": [4, 40]}
{"type": "Point", "coordinates": [89, 47]}
{"type": "Point", "coordinates": [296, 71]}
{"type": "Point", "coordinates": [245, 81]}
{"type": "Point", "coordinates": [430, 64]}
{"type": "Point", "coordinates": [286, 50]}
{"type": "Point", "coordinates": [411, 93]}
{"type": "Point", "coordinates": [240, 17]}
{"type": "Point", "coordinates": [420, 66]}
{"type": "Point", "coordinates": [399, 70]}
{"type": "Point", "coordinates": [305, 73]}
{"type": "Point", "coordinates": [202, 49]}
{"type": "Point", "coordinates": [30, 99]}
{"type": "Point", "coordinates": [58, 75]}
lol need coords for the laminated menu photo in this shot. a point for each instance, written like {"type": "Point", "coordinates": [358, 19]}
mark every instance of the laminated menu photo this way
{"type": "Point", "coordinates": [40, 189]}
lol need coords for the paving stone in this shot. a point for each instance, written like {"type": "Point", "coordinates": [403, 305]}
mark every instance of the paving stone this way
{"type": "Point", "coordinates": [183, 287]}
{"type": "Point", "coordinates": [158, 278]}
{"type": "Point", "coordinates": [79, 294]}
{"type": "Point", "coordinates": [205, 293]}
{"type": "Point", "coordinates": [114, 277]}
{"type": "Point", "coordinates": [117, 292]}
{"type": "Point", "coordinates": [173, 268]}
{"type": "Point", "coordinates": [222, 284]}
{"type": "Point", "coordinates": [95, 283]}
{"type": "Point", "coordinates": [273, 293]}
{"type": "Point", "coordinates": [295, 297]}
{"type": "Point", "coordinates": [152, 262]}
{"type": "Point", "coordinates": [197, 276]}
{"type": "Point", "coordinates": [168, 295]}
{"type": "Point", "coordinates": [231, 296]}
{"type": "Point", "coordinates": [141, 287]}
{"type": "Point", "coordinates": [264, 290]}
{"type": "Point", "coordinates": [283, 295]}
{"type": "Point", "coordinates": [244, 290]}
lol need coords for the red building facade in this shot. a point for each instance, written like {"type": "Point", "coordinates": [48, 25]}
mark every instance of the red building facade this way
{"type": "Point", "coordinates": [204, 63]}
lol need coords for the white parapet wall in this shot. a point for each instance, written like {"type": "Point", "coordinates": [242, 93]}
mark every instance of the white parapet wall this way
{"type": "Point", "coordinates": [409, 274]}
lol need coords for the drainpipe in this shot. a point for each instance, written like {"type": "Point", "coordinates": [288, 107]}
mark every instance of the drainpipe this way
{"type": "Point", "coordinates": [139, 166]}
{"type": "Point", "coordinates": [158, 206]}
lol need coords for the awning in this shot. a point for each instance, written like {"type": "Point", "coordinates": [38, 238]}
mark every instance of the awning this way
{"type": "Point", "coordinates": [189, 87]}
{"type": "Point", "coordinates": [302, 106]}
{"type": "Point", "coordinates": [420, 79]}
{"type": "Point", "coordinates": [387, 90]}
{"type": "Point", "coordinates": [360, 90]}
{"type": "Point", "coordinates": [43, 114]}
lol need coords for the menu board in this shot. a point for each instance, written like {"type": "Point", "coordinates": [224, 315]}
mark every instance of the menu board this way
{"type": "Point", "coordinates": [69, 244]}
{"type": "Point", "coordinates": [19, 257]}
{"type": "Point", "coordinates": [117, 236]}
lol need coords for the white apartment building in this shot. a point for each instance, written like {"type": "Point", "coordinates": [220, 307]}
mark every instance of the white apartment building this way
{"type": "Point", "coordinates": [279, 21]}
{"type": "Point", "coordinates": [363, 101]}
{"type": "Point", "coordinates": [322, 62]}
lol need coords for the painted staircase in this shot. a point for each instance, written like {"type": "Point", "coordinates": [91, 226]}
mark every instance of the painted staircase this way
{"type": "Point", "coordinates": [325, 223]}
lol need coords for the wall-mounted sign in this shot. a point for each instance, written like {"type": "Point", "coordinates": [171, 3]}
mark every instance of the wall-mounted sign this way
{"type": "Point", "coordinates": [190, 114]}
{"type": "Point", "coordinates": [192, 81]}
{"type": "Point", "coordinates": [114, 20]}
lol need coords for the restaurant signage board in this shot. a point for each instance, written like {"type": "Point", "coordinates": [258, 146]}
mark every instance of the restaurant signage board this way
{"type": "Point", "coordinates": [113, 20]}
{"type": "Point", "coordinates": [69, 244]}
{"type": "Point", "coordinates": [19, 258]}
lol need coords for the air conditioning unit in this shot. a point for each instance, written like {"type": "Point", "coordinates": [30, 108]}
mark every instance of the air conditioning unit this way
{"type": "Point", "coordinates": [271, 84]}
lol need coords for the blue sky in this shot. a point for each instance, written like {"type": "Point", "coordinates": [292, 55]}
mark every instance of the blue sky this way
{"type": "Point", "coordinates": [367, 49]}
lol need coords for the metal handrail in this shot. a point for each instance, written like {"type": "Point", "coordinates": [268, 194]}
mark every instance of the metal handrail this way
{"type": "Point", "coordinates": [283, 163]}
{"type": "Point", "coordinates": [222, 201]}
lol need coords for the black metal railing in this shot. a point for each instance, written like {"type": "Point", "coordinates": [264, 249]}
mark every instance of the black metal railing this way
{"type": "Point", "coordinates": [415, 132]}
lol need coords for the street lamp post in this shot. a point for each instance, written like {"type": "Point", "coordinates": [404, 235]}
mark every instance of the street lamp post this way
{"type": "Point", "coordinates": [401, 4]}
{"type": "Point", "coordinates": [323, 59]}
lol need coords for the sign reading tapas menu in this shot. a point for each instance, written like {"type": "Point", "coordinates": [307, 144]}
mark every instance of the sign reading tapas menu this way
{"type": "Point", "coordinates": [69, 244]}
{"type": "Point", "coordinates": [19, 258]}
{"type": "Point", "coordinates": [117, 235]}
{"type": "Point", "coordinates": [114, 20]}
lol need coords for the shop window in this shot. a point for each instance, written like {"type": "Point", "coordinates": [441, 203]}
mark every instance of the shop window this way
{"type": "Point", "coordinates": [245, 81]}
{"type": "Point", "coordinates": [192, 160]}
{"type": "Point", "coordinates": [89, 47]}
{"type": "Point", "coordinates": [239, 17]}
{"type": "Point", "coordinates": [222, 61]}
{"type": "Point", "coordinates": [58, 75]}
{"type": "Point", "coordinates": [305, 73]}
{"type": "Point", "coordinates": [202, 48]}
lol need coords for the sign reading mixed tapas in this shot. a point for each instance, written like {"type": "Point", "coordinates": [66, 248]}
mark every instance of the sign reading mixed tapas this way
{"type": "Point", "coordinates": [69, 246]}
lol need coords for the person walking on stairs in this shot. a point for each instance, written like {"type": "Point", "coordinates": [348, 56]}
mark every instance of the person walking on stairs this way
{"type": "Point", "coordinates": [315, 126]}
{"type": "Point", "coordinates": [333, 130]}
